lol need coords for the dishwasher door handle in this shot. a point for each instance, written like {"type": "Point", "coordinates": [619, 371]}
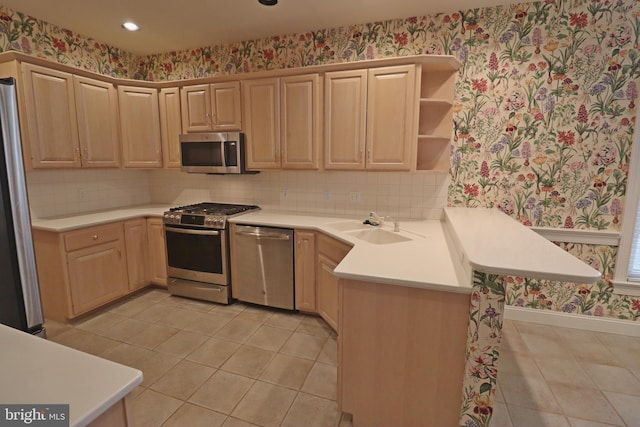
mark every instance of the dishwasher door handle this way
{"type": "Point", "coordinates": [264, 236]}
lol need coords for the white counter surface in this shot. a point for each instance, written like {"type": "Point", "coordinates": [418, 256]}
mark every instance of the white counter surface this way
{"type": "Point", "coordinates": [495, 243]}
{"type": "Point", "coordinates": [74, 222]}
{"type": "Point", "coordinates": [36, 371]}
{"type": "Point", "coordinates": [439, 255]}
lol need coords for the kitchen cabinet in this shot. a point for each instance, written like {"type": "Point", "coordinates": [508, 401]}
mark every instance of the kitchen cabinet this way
{"type": "Point", "coordinates": [282, 118]}
{"type": "Point", "coordinates": [80, 270]}
{"type": "Point", "coordinates": [52, 129]}
{"type": "Point", "coordinates": [330, 253]}
{"type": "Point", "coordinates": [401, 354]}
{"type": "Point", "coordinates": [170, 126]}
{"type": "Point", "coordinates": [369, 118]}
{"type": "Point", "coordinates": [435, 120]}
{"type": "Point", "coordinates": [305, 270]}
{"type": "Point", "coordinates": [72, 121]}
{"type": "Point", "coordinates": [211, 107]}
{"type": "Point", "coordinates": [140, 127]}
{"type": "Point", "coordinates": [157, 252]}
{"type": "Point", "coordinates": [135, 235]}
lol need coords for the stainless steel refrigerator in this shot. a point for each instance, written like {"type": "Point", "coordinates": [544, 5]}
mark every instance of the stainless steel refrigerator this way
{"type": "Point", "coordinates": [20, 305]}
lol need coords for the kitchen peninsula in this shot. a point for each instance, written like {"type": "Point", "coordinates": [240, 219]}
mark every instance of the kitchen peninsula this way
{"type": "Point", "coordinates": [420, 310]}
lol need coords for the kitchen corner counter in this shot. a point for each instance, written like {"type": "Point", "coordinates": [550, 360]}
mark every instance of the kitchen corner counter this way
{"type": "Point", "coordinates": [74, 222]}
{"type": "Point", "coordinates": [37, 371]}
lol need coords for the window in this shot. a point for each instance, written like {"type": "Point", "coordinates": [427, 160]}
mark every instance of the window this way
{"type": "Point", "coordinates": [627, 276]}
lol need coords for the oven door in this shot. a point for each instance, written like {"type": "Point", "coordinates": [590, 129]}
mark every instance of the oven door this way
{"type": "Point", "coordinates": [197, 254]}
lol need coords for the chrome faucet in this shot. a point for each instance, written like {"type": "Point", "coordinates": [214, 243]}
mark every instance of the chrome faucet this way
{"type": "Point", "coordinates": [373, 219]}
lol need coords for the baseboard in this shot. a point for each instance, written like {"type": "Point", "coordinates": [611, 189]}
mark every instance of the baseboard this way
{"type": "Point", "coordinates": [575, 321]}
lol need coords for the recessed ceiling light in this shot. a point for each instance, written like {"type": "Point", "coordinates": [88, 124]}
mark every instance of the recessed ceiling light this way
{"type": "Point", "coordinates": [268, 2]}
{"type": "Point", "coordinates": [130, 26]}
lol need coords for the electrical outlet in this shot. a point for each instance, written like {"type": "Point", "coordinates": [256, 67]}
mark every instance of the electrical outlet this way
{"type": "Point", "coordinates": [82, 194]}
{"type": "Point", "coordinates": [328, 195]}
{"type": "Point", "coordinates": [354, 196]}
{"type": "Point", "coordinates": [284, 194]}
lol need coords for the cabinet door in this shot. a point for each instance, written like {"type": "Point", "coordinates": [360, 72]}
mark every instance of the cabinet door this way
{"type": "Point", "coordinates": [226, 110]}
{"type": "Point", "coordinates": [97, 275]}
{"type": "Point", "coordinates": [196, 108]}
{"type": "Point", "coordinates": [135, 237]}
{"type": "Point", "coordinates": [51, 117]}
{"type": "Point", "coordinates": [170, 126]}
{"type": "Point", "coordinates": [262, 123]}
{"type": "Point", "coordinates": [140, 126]}
{"type": "Point", "coordinates": [157, 252]}
{"type": "Point", "coordinates": [327, 291]}
{"type": "Point", "coordinates": [300, 121]}
{"type": "Point", "coordinates": [391, 106]}
{"type": "Point", "coordinates": [97, 112]}
{"type": "Point", "coordinates": [345, 113]}
{"type": "Point", "coordinates": [305, 270]}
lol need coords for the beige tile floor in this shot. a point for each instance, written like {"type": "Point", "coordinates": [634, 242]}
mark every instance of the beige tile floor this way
{"type": "Point", "coordinates": [210, 365]}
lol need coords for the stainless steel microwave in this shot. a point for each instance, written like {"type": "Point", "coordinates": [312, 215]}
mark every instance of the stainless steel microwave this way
{"type": "Point", "coordinates": [214, 153]}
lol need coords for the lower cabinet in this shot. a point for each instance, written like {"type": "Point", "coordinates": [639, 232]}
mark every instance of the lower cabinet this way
{"type": "Point", "coordinates": [135, 235]}
{"type": "Point", "coordinates": [157, 252]}
{"type": "Point", "coordinates": [330, 253]}
{"type": "Point", "coordinates": [305, 270]}
{"type": "Point", "coordinates": [84, 269]}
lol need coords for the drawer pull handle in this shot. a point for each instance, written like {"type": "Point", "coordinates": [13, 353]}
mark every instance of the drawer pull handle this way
{"type": "Point", "coordinates": [95, 237]}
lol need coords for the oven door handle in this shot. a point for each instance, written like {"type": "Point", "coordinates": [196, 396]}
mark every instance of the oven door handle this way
{"type": "Point", "coordinates": [191, 231]}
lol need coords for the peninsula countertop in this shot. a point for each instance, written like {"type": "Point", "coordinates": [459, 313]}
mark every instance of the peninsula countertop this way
{"type": "Point", "coordinates": [437, 254]}
{"type": "Point", "coordinates": [37, 371]}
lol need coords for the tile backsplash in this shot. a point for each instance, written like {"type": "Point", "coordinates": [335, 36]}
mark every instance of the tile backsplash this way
{"type": "Point", "coordinates": [398, 194]}
{"type": "Point", "coordinates": [64, 192]}
{"type": "Point", "coordinates": [401, 195]}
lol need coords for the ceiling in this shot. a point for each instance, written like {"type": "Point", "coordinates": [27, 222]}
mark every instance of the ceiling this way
{"type": "Point", "coordinates": [168, 25]}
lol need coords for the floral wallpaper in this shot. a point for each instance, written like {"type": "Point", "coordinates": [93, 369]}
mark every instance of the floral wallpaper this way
{"type": "Point", "coordinates": [545, 108]}
{"type": "Point", "coordinates": [483, 349]}
{"type": "Point", "coordinates": [21, 32]}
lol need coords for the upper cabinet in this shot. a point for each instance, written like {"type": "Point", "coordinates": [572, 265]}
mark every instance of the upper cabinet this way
{"type": "Point", "coordinates": [435, 121]}
{"type": "Point", "coordinates": [140, 127]}
{"type": "Point", "coordinates": [170, 126]}
{"type": "Point", "coordinates": [97, 112]}
{"type": "Point", "coordinates": [282, 122]}
{"type": "Point", "coordinates": [370, 118]}
{"type": "Point", "coordinates": [72, 121]}
{"type": "Point", "coordinates": [211, 107]}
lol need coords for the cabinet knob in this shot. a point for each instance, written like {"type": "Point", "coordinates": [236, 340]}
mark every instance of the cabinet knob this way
{"type": "Point", "coordinates": [95, 237]}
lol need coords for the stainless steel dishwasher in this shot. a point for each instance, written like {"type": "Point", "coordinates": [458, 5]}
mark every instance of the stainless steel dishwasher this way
{"type": "Point", "coordinates": [263, 258]}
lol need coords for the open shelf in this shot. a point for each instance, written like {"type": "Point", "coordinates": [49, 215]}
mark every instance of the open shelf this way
{"type": "Point", "coordinates": [433, 154]}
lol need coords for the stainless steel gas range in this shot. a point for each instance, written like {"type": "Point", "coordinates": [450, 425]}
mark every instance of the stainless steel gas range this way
{"type": "Point", "coordinates": [198, 250]}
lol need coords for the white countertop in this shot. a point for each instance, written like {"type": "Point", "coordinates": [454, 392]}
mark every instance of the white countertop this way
{"type": "Point", "coordinates": [36, 371]}
{"type": "Point", "coordinates": [74, 222]}
{"type": "Point", "coordinates": [495, 243]}
{"type": "Point", "coordinates": [439, 255]}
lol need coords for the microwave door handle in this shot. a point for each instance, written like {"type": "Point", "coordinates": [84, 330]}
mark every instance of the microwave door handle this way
{"type": "Point", "coordinates": [190, 231]}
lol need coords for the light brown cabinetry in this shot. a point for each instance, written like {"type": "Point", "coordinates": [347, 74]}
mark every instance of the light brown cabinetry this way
{"type": "Point", "coordinates": [84, 269]}
{"type": "Point", "coordinates": [157, 252]}
{"type": "Point", "coordinates": [72, 121]}
{"type": "Point", "coordinates": [282, 122]}
{"type": "Point", "coordinates": [435, 120]}
{"type": "Point", "coordinates": [211, 107]}
{"type": "Point", "coordinates": [330, 253]}
{"type": "Point", "coordinates": [401, 354]}
{"type": "Point", "coordinates": [305, 270]}
{"type": "Point", "coordinates": [135, 235]}
{"type": "Point", "coordinates": [140, 127]}
{"type": "Point", "coordinates": [80, 270]}
{"type": "Point", "coordinates": [369, 118]}
{"type": "Point", "coordinates": [170, 126]}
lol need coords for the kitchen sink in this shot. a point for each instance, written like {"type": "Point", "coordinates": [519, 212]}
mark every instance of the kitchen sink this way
{"type": "Point", "coordinates": [350, 225]}
{"type": "Point", "coordinates": [378, 236]}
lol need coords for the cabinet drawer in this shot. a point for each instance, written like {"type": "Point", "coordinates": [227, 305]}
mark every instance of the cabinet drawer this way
{"type": "Point", "coordinates": [331, 248]}
{"type": "Point", "coordinates": [92, 236]}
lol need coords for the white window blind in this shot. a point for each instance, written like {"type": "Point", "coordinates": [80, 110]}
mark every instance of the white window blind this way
{"type": "Point", "coordinates": [634, 259]}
